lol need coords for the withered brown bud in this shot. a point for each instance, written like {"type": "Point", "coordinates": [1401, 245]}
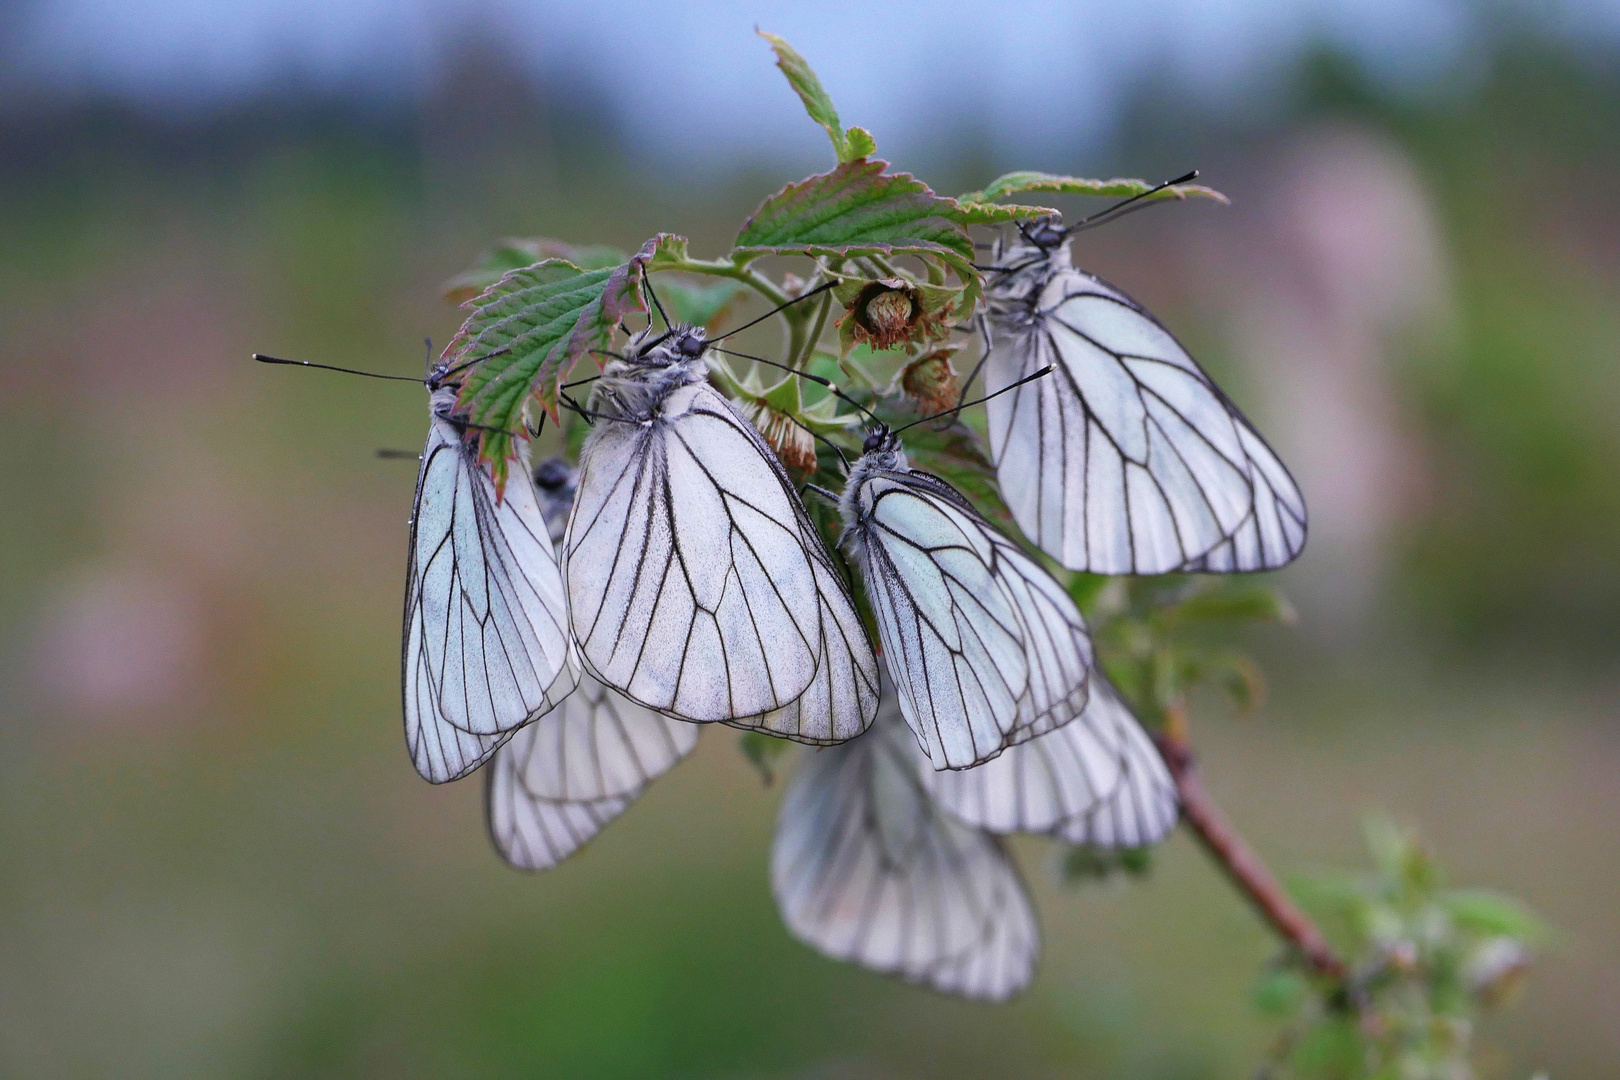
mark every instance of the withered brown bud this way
{"type": "Point", "coordinates": [794, 446]}
{"type": "Point", "coordinates": [884, 313]}
{"type": "Point", "coordinates": [930, 382]}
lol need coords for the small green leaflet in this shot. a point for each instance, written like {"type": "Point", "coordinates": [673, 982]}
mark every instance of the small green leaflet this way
{"type": "Point", "coordinates": [851, 145]}
{"type": "Point", "coordinates": [525, 333]}
{"type": "Point", "coordinates": [1016, 182]}
{"type": "Point", "coordinates": [855, 210]}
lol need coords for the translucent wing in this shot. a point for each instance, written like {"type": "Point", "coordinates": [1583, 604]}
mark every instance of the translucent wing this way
{"type": "Point", "coordinates": [597, 745]}
{"type": "Point", "coordinates": [531, 832]}
{"type": "Point", "coordinates": [986, 649]}
{"type": "Point", "coordinates": [1143, 807]}
{"type": "Point", "coordinates": [486, 644]}
{"type": "Point", "coordinates": [866, 869]}
{"type": "Point", "coordinates": [698, 586]}
{"type": "Point", "coordinates": [1097, 780]}
{"type": "Point", "coordinates": [1128, 459]}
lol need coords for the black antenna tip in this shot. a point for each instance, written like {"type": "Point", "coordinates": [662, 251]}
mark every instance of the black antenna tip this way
{"type": "Point", "coordinates": [1187, 179]}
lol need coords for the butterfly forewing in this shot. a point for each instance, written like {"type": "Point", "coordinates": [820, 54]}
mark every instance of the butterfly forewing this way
{"type": "Point", "coordinates": [1128, 459]}
{"type": "Point", "coordinates": [866, 869]}
{"type": "Point", "coordinates": [1097, 780]}
{"type": "Point", "coordinates": [697, 584]}
{"type": "Point", "coordinates": [485, 643]}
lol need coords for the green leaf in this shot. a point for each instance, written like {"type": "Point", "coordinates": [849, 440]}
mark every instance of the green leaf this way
{"type": "Point", "coordinates": [666, 251]}
{"type": "Point", "coordinates": [858, 144]}
{"type": "Point", "coordinates": [515, 253]}
{"type": "Point", "coordinates": [525, 333]}
{"type": "Point", "coordinates": [855, 210]}
{"type": "Point", "coordinates": [700, 305]}
{"type": "Point", "coordinates": [1280, 991]}
{"type": "Point", "coordinates": [851, 145]}
{"type": "Point", "coordinates": [1481, 911]}
{"type": "Point", "coordinates": [763, 752]}
{"type": "Point", "coordinates": [985, 213]}
{"type": "Point", "coordinates": [1118, 188]}
{"type": "Point", "coordinates": [1235, 602]}
{"type": "Point", "coordinates": [1085, 588]}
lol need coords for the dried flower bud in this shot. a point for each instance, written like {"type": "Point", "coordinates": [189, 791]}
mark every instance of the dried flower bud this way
{"type": "Point", "coordinates": [886, 313]}
{"type": "Point", "coordinates": [930, 383]}
{"type": "Point", "coordinates": [794, 446]}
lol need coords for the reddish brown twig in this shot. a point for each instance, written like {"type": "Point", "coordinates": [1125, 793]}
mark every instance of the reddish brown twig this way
{"type": "Point", "coordinates": [1240, 862]}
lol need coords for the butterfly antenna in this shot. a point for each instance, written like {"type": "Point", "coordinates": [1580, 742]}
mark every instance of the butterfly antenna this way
{"type": "Point", "coordinates": [646, 282]}
{"type": "Point", "coordinates": [263, 359]}
{"type": "Point", "coordinates": [978, 365]}
{"type": "Point", "coordinates": [822, 438]}
{"type": "Point", "coordinates": [1010, 386]}
{"type": "Point", "coordinates": [1102, 217]}
{"type": "Point", "coordinates": [390, 454]}
{"type": "Point", "coordinates": [828, 383]}
{"type": "Point", "coordinates": [823, 287]}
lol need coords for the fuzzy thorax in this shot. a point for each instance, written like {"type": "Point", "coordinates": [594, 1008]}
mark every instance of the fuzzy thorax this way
{"type": "Point", "coordinates": [653, 366]}
{"type": "Point", "coordinates": [882, 453]}
{"type": "Point", "coordinates": [1032, 259]}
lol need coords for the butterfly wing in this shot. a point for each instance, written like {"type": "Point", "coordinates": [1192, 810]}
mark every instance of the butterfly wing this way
{"type": "Point", "coordinates": [1096, 780]}
{"type": "Point", "coordinates": [598, 744]}
{"type": "Point", "coordinates": [1144, 806]}
{"type": "Point", "coordinates": [697, 584]}
{"type": "Point", "coordinates": [866, 869]}
{"type": "Point", "coordinates": [1128, 459]}
{"type": "Point", "coordinates": [532, 832]}
{"type": "Point", "coordinates": [485, 644]}
{"type": "Point", "coordinates": [985, 647]}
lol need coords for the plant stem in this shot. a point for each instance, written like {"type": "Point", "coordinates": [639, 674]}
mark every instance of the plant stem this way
{"type": "Point", "coordinates": [728, 269]}
{"type": "Point", "coordinates": [822, 310]}
{"type": "Point", "coordinates": [1240, 862]}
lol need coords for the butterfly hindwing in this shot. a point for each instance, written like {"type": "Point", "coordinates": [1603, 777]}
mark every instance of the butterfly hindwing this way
{"type": "Point", "coordinates": [1096, 780]}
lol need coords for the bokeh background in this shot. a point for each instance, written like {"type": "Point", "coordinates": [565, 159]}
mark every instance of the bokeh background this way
{"type": "Point", "coordinates": [215, 858]}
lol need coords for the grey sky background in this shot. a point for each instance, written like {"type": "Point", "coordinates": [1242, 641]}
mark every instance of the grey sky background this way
{"type": "Point", "coordinates": [689, 82]}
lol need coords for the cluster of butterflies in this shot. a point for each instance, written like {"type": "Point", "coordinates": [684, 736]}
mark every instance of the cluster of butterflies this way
{"type": "Point", "coordinates": [574, 632]}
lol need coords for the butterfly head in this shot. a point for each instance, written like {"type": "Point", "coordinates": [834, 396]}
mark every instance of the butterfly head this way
{"type": "Point", "coordinates": [1026, 260]}
{"type": "Point", "coordinates": [881, 452]}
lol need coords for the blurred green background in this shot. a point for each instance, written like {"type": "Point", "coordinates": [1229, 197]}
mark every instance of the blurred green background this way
{"type": "Point", "coordinates": [217, 859]}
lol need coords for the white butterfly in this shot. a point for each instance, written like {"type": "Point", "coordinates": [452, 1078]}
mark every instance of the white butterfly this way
{"type": "Point", "coordinates": [697, 584]}
{"type": "Point", "coordinates": [986, 649]}
{"type": "Point", "coordinates": [562, 778]}
{"type": "Point", "coordinates": [866, 868]}
{"type": "Point", "coordinates": [1097, 780]}
{"type": "Point", "coordinates": [1128, 459]}
{"type": "Point", "coordinates": [486, 642]}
